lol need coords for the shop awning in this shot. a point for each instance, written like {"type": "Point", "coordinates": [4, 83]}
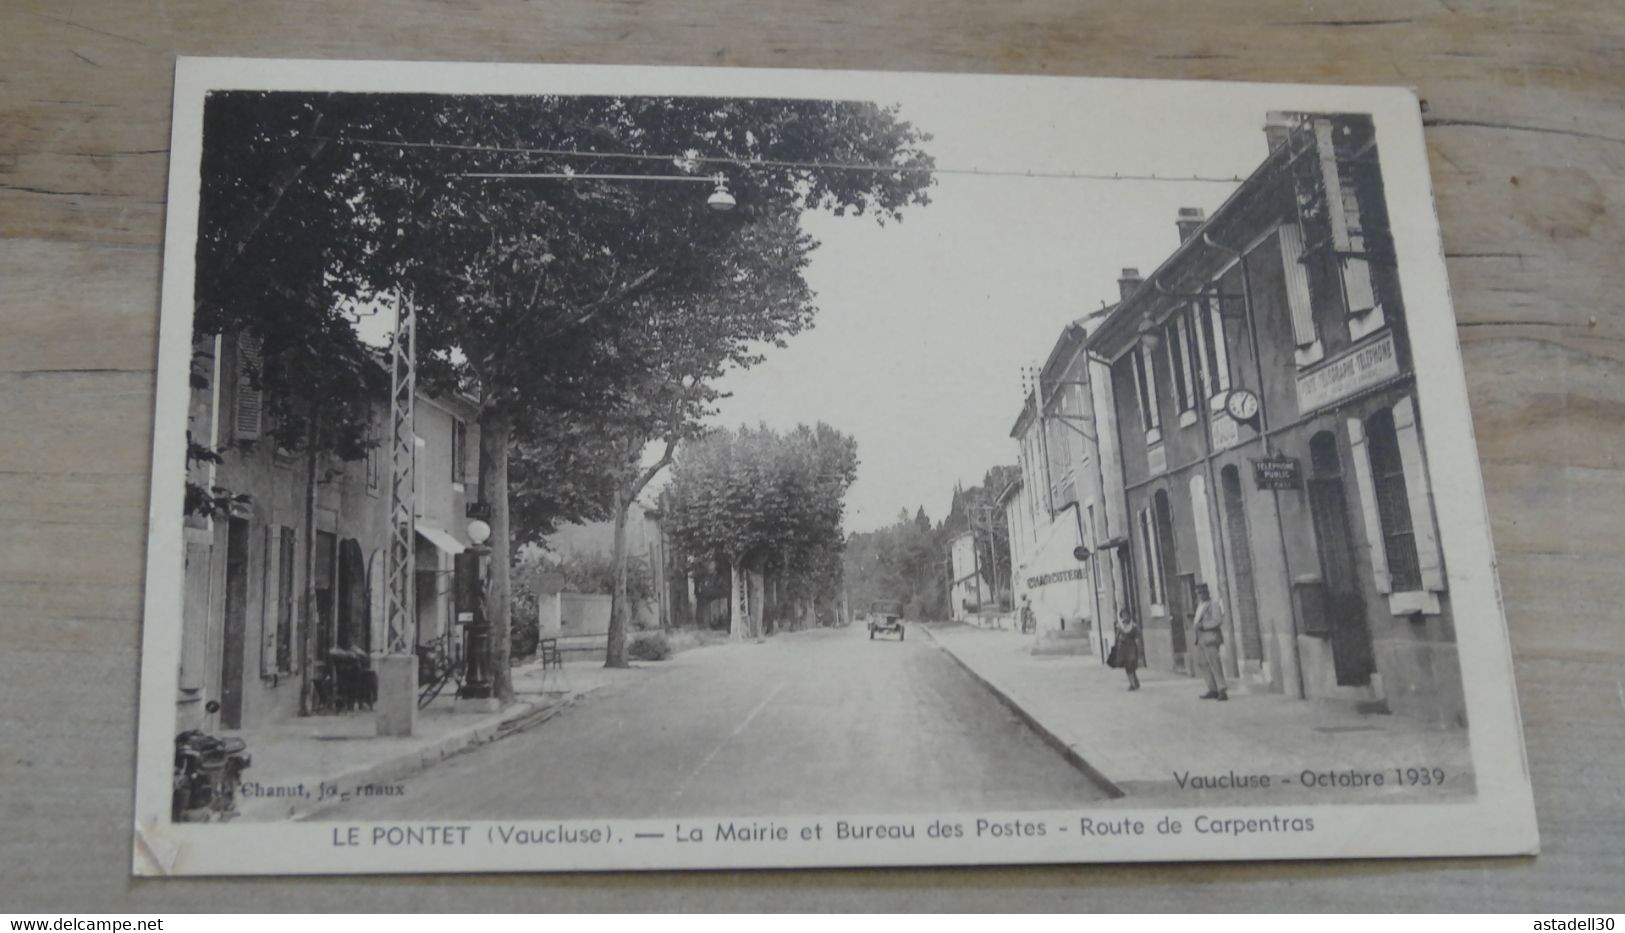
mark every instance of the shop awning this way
{"type": "Point", "coordinates": [440, 539]}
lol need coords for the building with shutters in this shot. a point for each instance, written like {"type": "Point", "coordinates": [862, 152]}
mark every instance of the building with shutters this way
{"type": "Point", "coordinates": [248, 643]}
{"type": "Point", "coordinates": [1270, 441]}
{"type": "Point", "coordinates": [1068, 501]}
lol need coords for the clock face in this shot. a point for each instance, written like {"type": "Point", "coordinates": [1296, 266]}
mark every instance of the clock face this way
{"type": "Point", "coordinates": [1242, 405]}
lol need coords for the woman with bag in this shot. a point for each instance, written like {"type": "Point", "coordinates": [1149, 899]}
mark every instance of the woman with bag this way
{"type": "Point", "coordinates": [1127, 651]}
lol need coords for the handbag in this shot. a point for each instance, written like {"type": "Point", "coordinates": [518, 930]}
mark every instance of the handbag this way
{"type": "Point", "coordinates": [1111, 657]}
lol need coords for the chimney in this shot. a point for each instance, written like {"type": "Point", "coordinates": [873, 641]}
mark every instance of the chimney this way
{"type": "Point", "coordinates": [1189, 219]}
{"type": "Point", "coordinates": [1277, 125]}
{"type": "Point", "coordinates": [1128, 282]}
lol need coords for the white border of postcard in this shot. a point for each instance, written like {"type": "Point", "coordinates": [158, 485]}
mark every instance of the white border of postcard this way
{"type": "Point", "coordinates": [1498, 819]}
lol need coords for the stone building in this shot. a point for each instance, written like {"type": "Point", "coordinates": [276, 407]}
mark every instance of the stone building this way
{"type": "Point", "coordinates": [1270, 442]}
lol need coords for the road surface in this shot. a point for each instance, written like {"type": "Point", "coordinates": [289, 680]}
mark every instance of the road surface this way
{"type": "Point", "coordinates": [825, 721]}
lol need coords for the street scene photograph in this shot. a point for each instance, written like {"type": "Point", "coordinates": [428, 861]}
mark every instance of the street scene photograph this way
{"type": "Point", "coordinates": [573, 457]}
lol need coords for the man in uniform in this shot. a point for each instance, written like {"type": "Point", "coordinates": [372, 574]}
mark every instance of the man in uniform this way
{"type": "Point", "coordinates": [1209, 636]}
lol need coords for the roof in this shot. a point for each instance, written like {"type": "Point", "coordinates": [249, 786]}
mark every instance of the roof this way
{"type": "Point", "coordinates": [1010, 490]}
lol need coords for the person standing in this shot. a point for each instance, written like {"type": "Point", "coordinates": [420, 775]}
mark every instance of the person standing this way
{"type": "Point", "coordinates": [1209, 637]}
{"type": "Point", "coordinates": [1129, 647]}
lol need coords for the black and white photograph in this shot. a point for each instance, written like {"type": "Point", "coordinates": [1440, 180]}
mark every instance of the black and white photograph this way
{"type": "Point", "coordinates": [562, 468]}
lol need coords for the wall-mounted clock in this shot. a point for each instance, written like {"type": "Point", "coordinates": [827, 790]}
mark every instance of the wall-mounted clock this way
{"type": "Point", "coordinates": [1242, 404]}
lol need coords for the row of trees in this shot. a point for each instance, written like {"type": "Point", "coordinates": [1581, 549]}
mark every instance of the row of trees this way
{"type": "Point", "coordinates": [754, 502]}
{"type": "Point", "coordinates": [589, 320]}
{"type": "Point", "coordinates": [908, 559]}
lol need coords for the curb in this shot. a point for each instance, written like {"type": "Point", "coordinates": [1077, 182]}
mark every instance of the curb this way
{"type": "Point", "coordinates": [1050, 738]}
{"type": "Point", "coordinates": [517, 718]}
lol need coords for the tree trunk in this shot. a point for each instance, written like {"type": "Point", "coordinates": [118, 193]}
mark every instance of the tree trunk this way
{"type": "Point", "coordinates": [495, 428]}
{"type": "Point", "coordinates": [307, 650]}
{"type": "Point", "coordinates": [758, 595]}
{"type": "Point", "coordinates": [738, 603]}
{"type": "Point", "coordinates": [619, 610]}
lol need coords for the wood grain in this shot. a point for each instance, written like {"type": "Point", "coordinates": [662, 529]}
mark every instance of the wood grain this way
{"type": "Point", "coordinates": [1526, 132]}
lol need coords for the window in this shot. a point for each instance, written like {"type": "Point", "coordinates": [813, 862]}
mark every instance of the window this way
{"type": "Point", "coordinates": [1393, 504]}
{"type": "Point", "coordinates": [459, 451]}
{"type": "Point", "coordinates": [1348, 236]}
{"type": "Point", "coordinates": [1151, 555]}
{"type": "Point", "coordinates": [1396, 504]}
{"type": "Point", "coordinates": [1179, 362]}
{"type": "Point", "coordinates": [1213, 358]}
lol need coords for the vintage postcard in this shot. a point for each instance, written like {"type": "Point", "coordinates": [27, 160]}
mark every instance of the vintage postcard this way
{"type": "Point", "coordinates": [587, 468]}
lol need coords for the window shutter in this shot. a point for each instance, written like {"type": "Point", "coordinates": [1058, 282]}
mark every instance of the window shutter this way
{"type": "Point", "coordinates": [1151, 406]}
{"type": "Point", "coordinates": [1188, 392]}
{"type": "Point", "coordinates": [1428, 555]}
{"type": "Point", "coordinates": [1297, 285]}
{"type": "Point", "coordinates": [247, 403]}
{"type": "Point", "coordinates": [1375, 546]}
{"type": "Point", "coordinates": [1221, 353]}
{"type": "Point", "coordinates": [1331, 186]}
{"type": "Point", "coordinates": [288, 647]}
{"type": "Point", "coordinates": [1138, 365]}
{"type": "Point", "coordinates": [1205, 552]}
{"type": "Point", "coordinates": [270, 600]}
{"type": "Point", "coordinates": [1204, 366]}
{"type": "Point", "coordinates": [1357, 285]}
{"type": "Point", "coordinates": [1145, 556]}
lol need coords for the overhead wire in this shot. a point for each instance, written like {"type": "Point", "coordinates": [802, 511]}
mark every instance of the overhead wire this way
{"type": "Point", "coordinates": [697, 160]}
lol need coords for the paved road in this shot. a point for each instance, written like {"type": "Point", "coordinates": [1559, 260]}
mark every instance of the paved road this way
{"type": "Point", "coordinates": [815, 722]}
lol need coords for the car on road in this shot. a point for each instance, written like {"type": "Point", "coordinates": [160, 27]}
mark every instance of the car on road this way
{"type": "Point", "coordinates": [886, 615]}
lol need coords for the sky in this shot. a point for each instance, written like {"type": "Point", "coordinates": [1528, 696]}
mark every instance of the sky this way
{"type": "Point", "coordinates": [923, 327]}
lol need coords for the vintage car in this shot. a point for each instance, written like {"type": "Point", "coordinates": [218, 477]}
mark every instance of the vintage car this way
{"type": "Point", "coordinates": [886, 615]}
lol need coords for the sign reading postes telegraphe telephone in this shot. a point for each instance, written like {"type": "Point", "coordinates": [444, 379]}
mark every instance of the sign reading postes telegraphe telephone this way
{"type": "Point", "coordinates": [1276, 472]}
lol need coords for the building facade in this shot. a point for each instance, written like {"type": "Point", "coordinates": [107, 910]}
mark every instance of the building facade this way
{"type": "Point", "coordinates": [252, 648]}
{"type": "Point", "coordinates": [1270, 442]}
{"type": "Point", "coordinates": [967, 592]}
{"type": "Point", "coordinates": [1067, 508]}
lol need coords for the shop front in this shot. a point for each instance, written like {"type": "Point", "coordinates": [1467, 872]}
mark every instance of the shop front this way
{"type": "Point", "coordinates": [1059, 590]}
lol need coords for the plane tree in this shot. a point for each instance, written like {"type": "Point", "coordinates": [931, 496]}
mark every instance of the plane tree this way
{"type": "Point", "coordinates": [580, 299]}
{"type": "Point", "coordinates": [756, 499]}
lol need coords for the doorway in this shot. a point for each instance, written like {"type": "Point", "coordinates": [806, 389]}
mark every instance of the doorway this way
{"type": "Point", "coordinates": [354, 628]}
{"type": "Point", "coordinates": [236, 625]}
{"type": "Point", "coordinates": [1163, 518]}
{"type": "Point", "coordinates": [1352, 657]}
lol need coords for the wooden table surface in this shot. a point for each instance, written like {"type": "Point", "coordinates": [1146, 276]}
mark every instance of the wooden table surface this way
{"type": "Point", "coordinates": [1526, 133]}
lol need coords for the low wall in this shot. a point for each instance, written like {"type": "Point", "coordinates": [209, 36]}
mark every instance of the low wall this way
{"type": "Point", "coordinates": [569, 613]}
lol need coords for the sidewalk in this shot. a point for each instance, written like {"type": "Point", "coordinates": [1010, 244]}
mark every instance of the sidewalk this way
{"type": "Point", "coordinates": [299, 764]}
{"type": "Point", "coordinates": [1139, 743]}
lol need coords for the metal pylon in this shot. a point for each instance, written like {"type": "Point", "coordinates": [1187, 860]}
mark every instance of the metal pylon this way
{"type": "Point", "coordinates": [400, 596]}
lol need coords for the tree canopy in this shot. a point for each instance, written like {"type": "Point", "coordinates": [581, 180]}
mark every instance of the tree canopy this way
{"type": "Point", "coordinates": [577, 304]}
{"type": "Point", "coordinates": [755, 499]}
